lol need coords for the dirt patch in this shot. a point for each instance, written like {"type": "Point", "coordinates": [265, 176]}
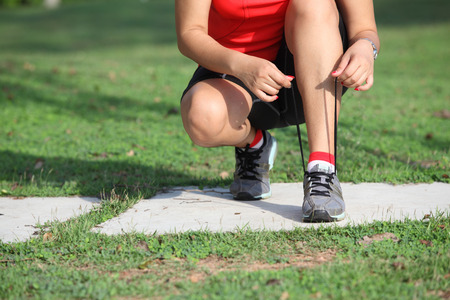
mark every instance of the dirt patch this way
{"type": "Point", "coordinates": [217, 264]}
{"type": "Point", "coordinates": [174, 270]}
{"type": "Point", "coordinates": [213, 265]}
{"type": "Point", "coordinates": [368, 240]}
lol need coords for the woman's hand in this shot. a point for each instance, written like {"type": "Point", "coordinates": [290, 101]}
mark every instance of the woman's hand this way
{"type": "Point", "coordinates": [262, 77]}
{"type": "Point", "coordinates": [357, 66]}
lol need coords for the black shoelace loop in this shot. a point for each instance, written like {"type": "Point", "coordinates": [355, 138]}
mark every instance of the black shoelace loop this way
{"type": "Point", "coordinates": [316, 182]}
{"type": "Point", "coordinates": [247, 162]}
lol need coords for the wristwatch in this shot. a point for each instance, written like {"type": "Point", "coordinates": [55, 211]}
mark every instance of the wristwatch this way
{"type": "Point", "coordinates": [375, 50]}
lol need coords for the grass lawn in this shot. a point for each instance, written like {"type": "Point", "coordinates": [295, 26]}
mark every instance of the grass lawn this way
{"type": "Point", "coordinates": [89, 98]}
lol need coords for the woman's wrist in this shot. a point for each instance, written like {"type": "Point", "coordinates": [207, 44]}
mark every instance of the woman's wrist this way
{"type": "Point", "coordinates": [374, 47]}
{"type": "Point", "coordinates": [368, 36]}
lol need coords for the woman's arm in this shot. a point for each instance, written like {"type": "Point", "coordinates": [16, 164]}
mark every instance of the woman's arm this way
{"type": "Point", "coordinates": [193, 40]}
{"type": "Point", "coordinates": [259, 75]}
{"type": "Point", "coordinates": [357, 63]}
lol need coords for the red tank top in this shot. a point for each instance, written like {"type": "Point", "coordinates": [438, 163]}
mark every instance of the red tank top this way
{"type": "Point", "coordinates": [254, 27]}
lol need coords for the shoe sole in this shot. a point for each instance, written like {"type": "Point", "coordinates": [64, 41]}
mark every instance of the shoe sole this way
{"type": "Point", "coordinates": [246, 196]}
{"type": "Point", "coordinates": [322, 216]}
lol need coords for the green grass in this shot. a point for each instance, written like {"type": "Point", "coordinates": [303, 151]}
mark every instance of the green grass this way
{"type": "Point", "coordinates": [89, 98]}
{"type": "Point", "coordinates": [327, 263]}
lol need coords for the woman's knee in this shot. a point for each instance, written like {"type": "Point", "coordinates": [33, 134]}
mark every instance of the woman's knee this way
{"type": "Point", "coordinates": [203, 118]}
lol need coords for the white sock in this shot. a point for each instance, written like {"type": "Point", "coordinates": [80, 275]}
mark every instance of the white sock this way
{"type": "Point", "coordinates": [324, 166]}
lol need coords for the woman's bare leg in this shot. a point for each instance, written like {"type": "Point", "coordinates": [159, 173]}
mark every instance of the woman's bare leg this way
{"type": "Point", "coordinates": [214, 113]}
{"type": "Point", "coordinates": [312, 35]}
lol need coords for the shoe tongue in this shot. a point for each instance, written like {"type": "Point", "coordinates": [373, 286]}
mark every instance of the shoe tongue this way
{"type": "Point", "coordinates": [251, 150]}
{"type": "Point", "coordinates": [321, 167]}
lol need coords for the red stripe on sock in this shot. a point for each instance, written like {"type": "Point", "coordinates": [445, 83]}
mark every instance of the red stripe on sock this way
{"type": "Point", "coordinates": [257, 138]}
{"type": "Point", "coordinates": [328, 157]}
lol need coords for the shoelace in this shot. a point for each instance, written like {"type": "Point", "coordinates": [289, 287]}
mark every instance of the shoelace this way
{"type": "Point", "coordinates": [316, 183]}
{"type": "Point", "coordinates": [247, 164]}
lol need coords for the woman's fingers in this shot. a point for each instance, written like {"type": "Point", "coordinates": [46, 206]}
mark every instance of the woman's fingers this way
{"type": "Point", "coordinates": [268, 87]}
{"type": "Point", "coordinates": [281, 80]}
{"type": "Point", "coordinates": [356, 68]}
{"type": "Point", "coordinates": [367, 86]}
{"type": "Point", "coordinates": [342, 66]}
{"type": "Point", "coordinates": [263, 78]}
{"type": "Point", "coordinates": [268, 92]}
{"type": "Point", "coordinates": [265, 97]}
{"type": "Point", "coordinates": [355, 75]}
{"type": "Point", "coordinates": [356, 79]}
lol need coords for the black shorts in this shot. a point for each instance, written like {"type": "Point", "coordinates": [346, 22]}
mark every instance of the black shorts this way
{"type": "Point", "coordinates": [281, 112]}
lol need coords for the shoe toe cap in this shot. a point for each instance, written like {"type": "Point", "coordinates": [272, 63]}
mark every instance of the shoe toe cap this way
{"type": "Point", "coordinates": [333, 207]}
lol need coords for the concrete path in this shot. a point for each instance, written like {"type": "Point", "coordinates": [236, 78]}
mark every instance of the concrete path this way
{"type": "Point", "coordinates": [184, 209]}
{"type": "Point", "coordinates": [19, 216]}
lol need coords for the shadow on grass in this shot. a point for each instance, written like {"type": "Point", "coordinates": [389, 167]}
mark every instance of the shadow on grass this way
{"type": "Point", "coordinates": [67, 98]}
{"type": "Point", "coordinates": [59, 176]}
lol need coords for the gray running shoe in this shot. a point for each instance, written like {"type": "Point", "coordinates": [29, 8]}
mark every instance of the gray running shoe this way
{"type": "Point", "coordinates": [323, 200]}
{"type": "Point", "coordinates": [251, 178]}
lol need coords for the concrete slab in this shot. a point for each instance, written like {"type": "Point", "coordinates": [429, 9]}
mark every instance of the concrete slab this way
{"type": "Point", "coordinates": [19, 216]}
{"type": "Point", "coordinates": [184, 209]}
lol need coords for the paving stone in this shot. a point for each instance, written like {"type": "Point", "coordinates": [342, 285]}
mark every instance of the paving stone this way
{"type": "Point", "coordinates": [19, 216]}
{"type": "Point", "coordinates": [188, 208]}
